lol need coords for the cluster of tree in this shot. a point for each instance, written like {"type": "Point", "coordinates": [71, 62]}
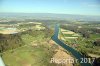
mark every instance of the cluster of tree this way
{"type": "Point", "coordinates": [95, 30]}
{"type": "Point", "coordinates": [84, 32]}
{"type": "Point", "coordinates": [75, 28]}
{"type": "Point", "coordinates": [9, 41]}
{"type": "Point", "coordinates": [97, 42]}
{"type": "Point", "coordinates": [26, 25]}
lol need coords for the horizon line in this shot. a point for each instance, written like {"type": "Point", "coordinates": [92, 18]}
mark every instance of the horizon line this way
{"type": "Point", "coordinates": [46, 13]}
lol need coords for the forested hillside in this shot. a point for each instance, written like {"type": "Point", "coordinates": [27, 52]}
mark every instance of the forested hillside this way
{"type": "Point", "coordinates": [11, 41]}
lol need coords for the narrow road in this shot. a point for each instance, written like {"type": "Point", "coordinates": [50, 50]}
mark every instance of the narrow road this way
{"type": "Point", "coordinates": [74, 52]}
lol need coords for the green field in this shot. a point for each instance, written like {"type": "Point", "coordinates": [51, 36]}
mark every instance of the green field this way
{"type": "Point", "coordinates": [95, 36]}
{"type": "Point", "coordinates": [35, 51]}
{"type": "Point", "coordinates": [84, 45]}
{"type": "Point", "coordinates": [28, 56]}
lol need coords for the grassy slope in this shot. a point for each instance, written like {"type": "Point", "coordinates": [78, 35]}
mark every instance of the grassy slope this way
{"type": "Point", "coordinates": [30, 55]}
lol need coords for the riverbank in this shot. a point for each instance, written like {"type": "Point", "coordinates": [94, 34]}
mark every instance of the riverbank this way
{"type": "Point", "coordinates": [61, 56]}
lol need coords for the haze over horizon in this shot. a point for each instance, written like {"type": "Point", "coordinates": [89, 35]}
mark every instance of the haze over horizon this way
{"type": "Point", "coordinates": [79, 7]}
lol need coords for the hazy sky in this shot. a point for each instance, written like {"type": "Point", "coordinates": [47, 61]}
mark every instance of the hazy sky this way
{"type": "Point", "coordinates": [83, 7]}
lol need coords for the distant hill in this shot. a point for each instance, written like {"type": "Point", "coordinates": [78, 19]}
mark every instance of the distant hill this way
{"type": "Point", "coordinates": [51, 16]}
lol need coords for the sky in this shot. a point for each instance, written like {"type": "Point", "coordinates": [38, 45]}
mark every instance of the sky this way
{"type": "Point", "coordinates": [80, 7]}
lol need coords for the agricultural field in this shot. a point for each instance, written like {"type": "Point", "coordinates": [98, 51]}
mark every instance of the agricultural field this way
{"type": "Point", "coordinates": [81, 39]}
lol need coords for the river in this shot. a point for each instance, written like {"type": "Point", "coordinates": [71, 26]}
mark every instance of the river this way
{"type": "Point", "coordinates": [74, 52]}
